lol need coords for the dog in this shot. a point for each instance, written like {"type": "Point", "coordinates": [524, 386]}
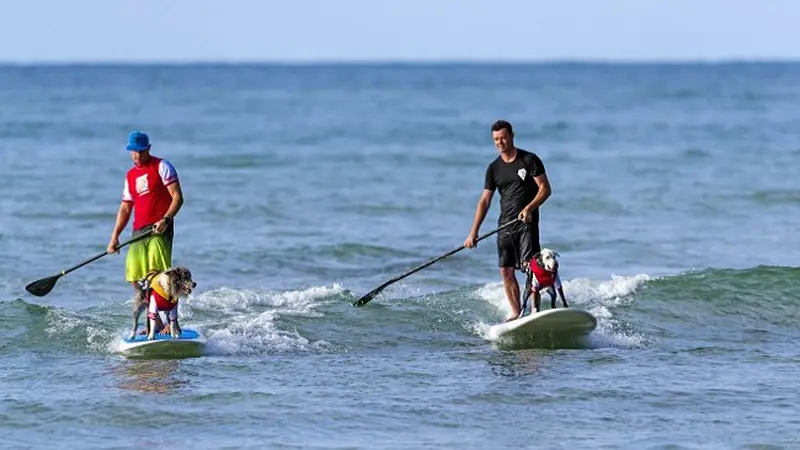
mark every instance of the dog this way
{"type": "Point", "coordinates": [161, 291]}
{"type": "Point", "coordinates": [542, 275]}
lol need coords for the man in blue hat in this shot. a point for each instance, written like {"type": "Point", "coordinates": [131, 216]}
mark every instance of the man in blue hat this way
{"type": "Point", "coordinates": [153, 192]}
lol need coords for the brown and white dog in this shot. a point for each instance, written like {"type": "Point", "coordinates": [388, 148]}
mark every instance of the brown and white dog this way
{"type": "Point", "coordinates": [160, 291]}
{"type": "Point", "coordinates": [542, 275]}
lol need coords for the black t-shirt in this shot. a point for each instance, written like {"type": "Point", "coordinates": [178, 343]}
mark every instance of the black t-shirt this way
{"type": "Point", "coordinates": [514, 181]}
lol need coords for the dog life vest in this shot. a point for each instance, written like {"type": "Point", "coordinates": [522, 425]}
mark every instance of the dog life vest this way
{"type": "Point", "coordinates": [146, 187]}
{"type": "Point", "coordinates": [163, 302]}
{"type": "Point", "coordinates": [542, 278]}
{"type": "Point", "coordinates": [155, 293]}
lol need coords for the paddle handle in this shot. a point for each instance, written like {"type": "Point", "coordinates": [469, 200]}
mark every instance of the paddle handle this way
{"type": "Point", "coordinates": [100, 255]}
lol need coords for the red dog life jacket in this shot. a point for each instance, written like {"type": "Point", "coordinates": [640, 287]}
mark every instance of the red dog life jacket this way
{"type": "Point", "coordinates": [162, 302]}
{"type": "Point", "coordinates": [542, 278]}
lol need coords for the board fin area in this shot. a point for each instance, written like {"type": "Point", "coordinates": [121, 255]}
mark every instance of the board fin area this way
{"type": "Point", "coordinates": [558, 327]}
{"type": "Point", "coordinates": [191, 343]}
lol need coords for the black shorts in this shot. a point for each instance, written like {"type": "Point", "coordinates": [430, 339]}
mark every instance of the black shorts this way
{"type": "Point", "coordinates": [517, 243]}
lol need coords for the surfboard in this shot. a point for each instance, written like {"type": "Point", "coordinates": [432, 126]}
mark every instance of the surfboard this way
{"type": "Point", "coordinates": [189, 343]}
{"type": "Point", "coordinates": [558, 321]}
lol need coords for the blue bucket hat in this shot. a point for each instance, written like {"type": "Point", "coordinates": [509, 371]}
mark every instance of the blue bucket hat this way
{"type": "Point", "coordinates": [138, 141]}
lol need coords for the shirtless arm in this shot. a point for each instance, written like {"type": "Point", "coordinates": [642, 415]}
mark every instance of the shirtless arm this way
{"type": "Point", "coordinates": [123, 215]}
{"type": "Point", "coordinates": [480, 213]}
{"type": "Point", "coordinates": [541, 196]}
{"type": "Point", "coordinates": [174, 206]}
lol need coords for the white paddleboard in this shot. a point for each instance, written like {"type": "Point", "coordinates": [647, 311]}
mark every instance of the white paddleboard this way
{"type": "Point", "coordinates": [189, 343]}
{"type": "Point", "coordinates": [566, 321]}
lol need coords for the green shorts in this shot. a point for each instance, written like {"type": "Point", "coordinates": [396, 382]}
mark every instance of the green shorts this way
{"type": "Point", "coordinates": [150, 253]}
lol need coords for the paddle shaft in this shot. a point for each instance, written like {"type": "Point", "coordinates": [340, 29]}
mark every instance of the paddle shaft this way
{"type": "Point", "coordinates": [100, 255]}
{"type": "Point", "coordinates": [363, 300]}
{"type": "Point", "coordinates": [43, 287]}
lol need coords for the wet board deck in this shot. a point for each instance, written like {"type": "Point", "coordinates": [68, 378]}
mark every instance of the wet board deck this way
{"type": "Point", "coordinates": [190, 341]}
{"type": "Point", "coordinates": [551, 321]}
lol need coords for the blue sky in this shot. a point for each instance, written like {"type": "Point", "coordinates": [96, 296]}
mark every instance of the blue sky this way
{"type": "Point", "coordinates": [309, 30]}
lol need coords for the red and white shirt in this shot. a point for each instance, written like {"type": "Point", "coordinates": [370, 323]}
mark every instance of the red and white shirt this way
{"type": "Point", "coordinates": [146, 187]}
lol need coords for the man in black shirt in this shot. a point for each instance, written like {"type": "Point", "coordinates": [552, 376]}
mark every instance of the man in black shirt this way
{"type": "Point", "coordinates": [520, 178]}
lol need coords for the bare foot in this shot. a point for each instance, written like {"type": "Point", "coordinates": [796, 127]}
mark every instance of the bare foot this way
{"type": "Point", "coordinates": [510, 318]}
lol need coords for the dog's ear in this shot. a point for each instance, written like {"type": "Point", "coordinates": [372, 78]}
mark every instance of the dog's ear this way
{"type": "Point", "coordinates": [556, 254]}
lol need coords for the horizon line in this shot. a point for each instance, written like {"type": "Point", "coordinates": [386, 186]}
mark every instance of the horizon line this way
{"type": "Point", "coordinates": [399, 61]}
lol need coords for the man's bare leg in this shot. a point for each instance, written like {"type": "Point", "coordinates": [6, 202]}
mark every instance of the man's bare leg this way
{"type": "Point", "coordinates": [512, 291]}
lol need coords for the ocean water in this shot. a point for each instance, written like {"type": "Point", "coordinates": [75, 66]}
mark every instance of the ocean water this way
{"type": "Point", "coordinates": [674, 209]}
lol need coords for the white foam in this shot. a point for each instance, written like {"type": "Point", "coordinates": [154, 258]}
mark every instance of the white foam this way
{"type": "Point", "coordinates": [247, 328]}
{"type": "Point", "coordinates": [614, 291]}
{"type": "Point", "coordinates": [599, 298]}
{"type": "Point", "coordinates": [232, 300]}
{"type": "Point", "coordinates": [245, 335]}
{"type": "Point", "coordinates": [60, 322]}
{"type": "Point", "coordinates": [242, 321]}
{"type": "Point", "coordinates": [101, 340]}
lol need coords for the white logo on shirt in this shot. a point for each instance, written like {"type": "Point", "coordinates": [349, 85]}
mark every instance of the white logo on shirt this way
{"type": "Point", "coordinates": [522, 173]}
{"type": "Point", "coordinates": [142, 186]}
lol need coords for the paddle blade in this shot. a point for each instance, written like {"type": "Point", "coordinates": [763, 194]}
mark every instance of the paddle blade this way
{"type": "Point", "coordinates": [365, 299]}
{"type": "Point", "coordinates": [42, 287]}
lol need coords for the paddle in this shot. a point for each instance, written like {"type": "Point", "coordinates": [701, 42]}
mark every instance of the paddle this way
{"type": "Point", "coordinates": [42, 287]}
{"type": "Point", "coordinates": [528, 287]}
{"type": "Point", "coordinates": [373, 293]}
